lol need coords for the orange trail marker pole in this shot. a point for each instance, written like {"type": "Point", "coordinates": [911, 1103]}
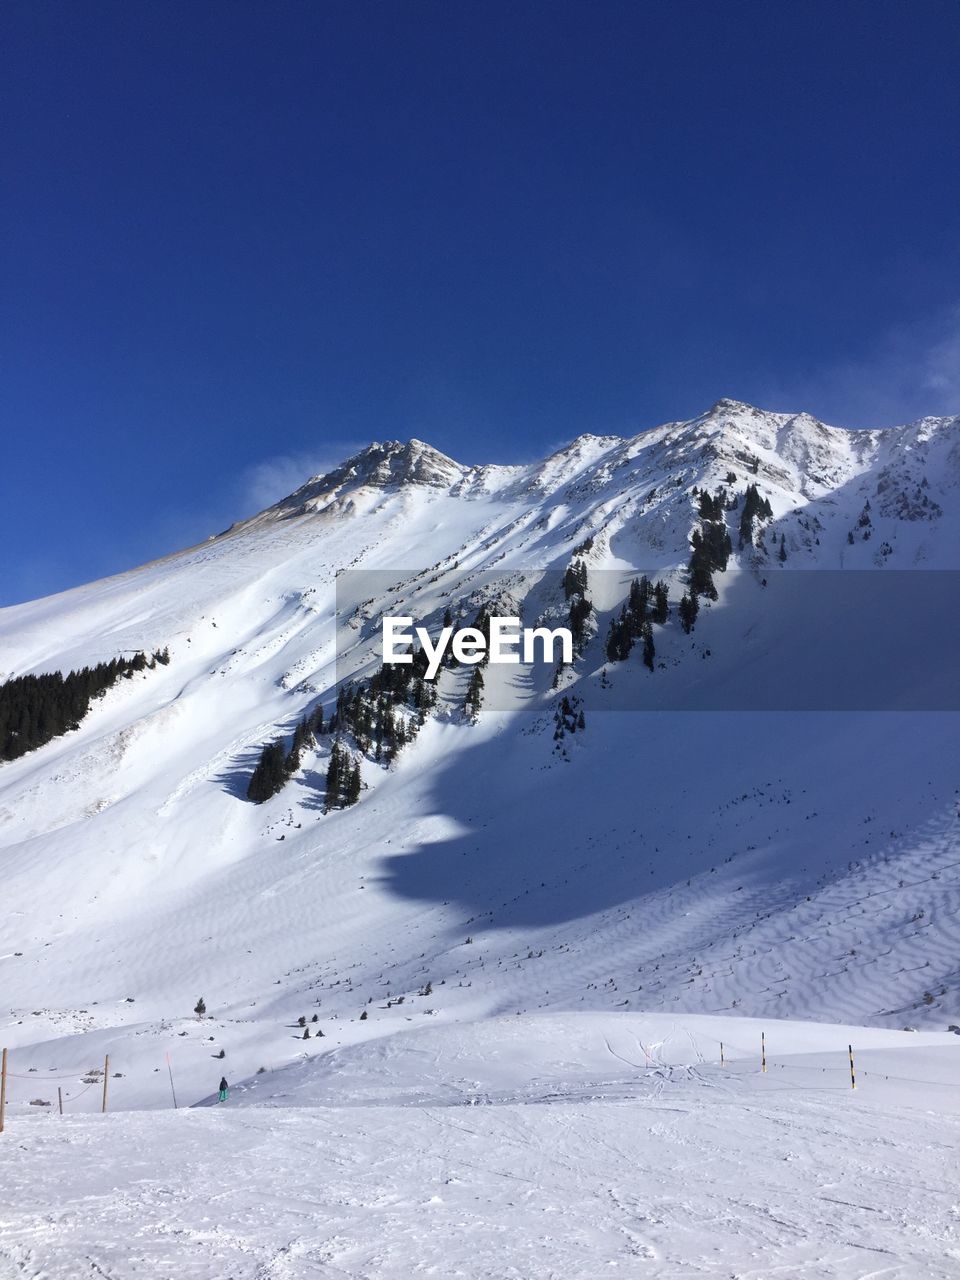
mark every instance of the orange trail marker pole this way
{"type": "Point", "coordinates": [721, 1054]}
{"type": "Point", "coordinates": [60, 1098]}
{"type": "Point", "coordinates": [106, 1077]}
{"type": "Point", "coordinates": [3, 1088]}
{"type": "Point", "coordinates": [853, 1077]}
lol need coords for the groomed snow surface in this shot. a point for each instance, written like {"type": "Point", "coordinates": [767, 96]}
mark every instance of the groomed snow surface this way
{"type": "Point", "coordinates": [563, 1146]}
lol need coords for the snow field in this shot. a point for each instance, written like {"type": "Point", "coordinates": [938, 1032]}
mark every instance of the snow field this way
{"type": "Point", "coordinates": [566, 1146]}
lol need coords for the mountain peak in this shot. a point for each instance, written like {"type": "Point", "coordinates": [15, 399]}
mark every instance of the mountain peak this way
{"type": "Point", "coordinates": [384, 464]}
{"type": "Point", "coordinates": [394, 462]}
{"type": "Point", "coordinates": [742, 414]}
{"type": "Point", "coordinates": [728, 405]}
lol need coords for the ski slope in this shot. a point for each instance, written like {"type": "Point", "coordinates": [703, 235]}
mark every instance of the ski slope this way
{"type": "Point", "coordinates": [570, 1145]}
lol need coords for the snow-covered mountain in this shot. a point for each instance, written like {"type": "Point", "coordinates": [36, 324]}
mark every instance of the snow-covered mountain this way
{"type": "Point", "coordinates": [586, 923]}
{"type": "Point", "coordinates": [779, 864]}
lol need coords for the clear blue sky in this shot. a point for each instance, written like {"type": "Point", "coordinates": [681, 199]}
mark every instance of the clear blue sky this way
{"type": "Point", "coordinates": [239, 239]}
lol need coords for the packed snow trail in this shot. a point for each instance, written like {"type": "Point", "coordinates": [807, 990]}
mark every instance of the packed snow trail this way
{"type": "Point", "coordinates": [663, 1171]}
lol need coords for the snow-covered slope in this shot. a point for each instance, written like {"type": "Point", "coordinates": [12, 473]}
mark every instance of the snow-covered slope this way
{"type": "Point", "coordinates": [774, 864]}
{"type": "Point", "coordinates": [559, 1146]}
{"type": "Point", "coordinates": [554, 930]}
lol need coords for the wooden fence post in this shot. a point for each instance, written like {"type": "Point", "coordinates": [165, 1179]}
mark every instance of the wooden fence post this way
{"type": "Point", "coordinates": [3, 1088]}
{"type": "Point", "coordinates": [60, 1098]}
{"type": "Point", "coordinates": [721, 1054]}
{"type": "Point", "coordinates": [763, 1051]}
{"type": "Point", "coordinates": [106, 1077]}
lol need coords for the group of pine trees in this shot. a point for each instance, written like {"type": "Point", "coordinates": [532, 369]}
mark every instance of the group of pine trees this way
{"type": "Point", "coordinates": [644, 606]}
{"type": "Point", "coordinates": [36, 709]}
{"type": "Point", "coordinates": [580, 608]}
{"type": "Point", "coordinates": [710, 545]}
{"type": "Point", "coordinates": [270, 773]}
{"type": "Point", "coordinates": [343, 778]}
{"type": "Point", "coordinates": [568, 717]}
{"type": "Point", "coordinates": [710, 551]}
{"type": "Point", "coordinates": [374, 712]}
{"type": "Point", "coordinates": [277, 764]}
{"type": "Point", "coordinates": [687, 611]}
{"type": "Point", "coordinates": [381, 714]}
{"type": "Point", "coordinates": [754, 507]}
{"type": "Point", "coordinates": [575, 579]}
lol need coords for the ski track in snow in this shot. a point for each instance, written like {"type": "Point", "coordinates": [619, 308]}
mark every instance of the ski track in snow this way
{"type": "Point", "coordinates": [679, 1169]}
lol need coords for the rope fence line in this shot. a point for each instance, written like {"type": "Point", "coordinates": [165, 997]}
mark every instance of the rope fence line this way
{"type": "Point", "coordinates": [730, 1066]}
{"type": "Point", "coordinates": [36, 1076]}
{"type": "Point", "coordinates": [877, 1075]}
{"type": "Point", "coordinates": [766, 1060]}
{"type": "Point", "coordinates": [100, 1076]}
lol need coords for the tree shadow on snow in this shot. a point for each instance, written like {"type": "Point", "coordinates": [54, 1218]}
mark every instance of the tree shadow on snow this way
{"type": "Point", "coordinates": [235, 779]}
{"type": "Point", "coordinates": [652, 799]}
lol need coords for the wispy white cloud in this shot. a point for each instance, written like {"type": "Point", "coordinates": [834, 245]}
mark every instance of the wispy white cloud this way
{"type": "Point", "coordinates": [943, 366]}
{"type": "Point", "coordinates": [913, 372]}
{"type": "Point", "coordinates": [269, 480]}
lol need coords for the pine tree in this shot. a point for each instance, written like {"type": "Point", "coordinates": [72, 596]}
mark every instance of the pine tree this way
{"type": "Point", "coordinates": [291, 761]}
{"type": "Point", "coordinates": [575, 580]}
{"type": "Point", "coordinates": [649, 652]}
{"type": "Point", "coordinates": [711, 548]}
{"type": "Point", "coordinates": [712, 508]}
{"type": "Point", "coordinates": [354, 783]}
{"type": "Point", "coordinates": [473, 699]}
{"type": "Point", "coordinates": [269, 775]}
{"type": "Point", "coordinates": [619, 639]}
{"type": "Point", "coordinates": [200, 1008]}
{"type": "Point", "coordinates": [637, 602]}
{"type": "Point", "coordinates": [688, 611]}
{"type": "Point", "coordinates": [701, 579]}
{"type": "Point", "coordinates": [661, 604]}
{"type": "Point", "coordinates": [753, 507]}
{"type": "Point", "coordinates": [335, 776]}
{"type": "Point", "coordinates": [580, 610]}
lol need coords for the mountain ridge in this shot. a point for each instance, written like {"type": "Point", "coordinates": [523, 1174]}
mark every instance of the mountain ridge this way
{"type": "Point", "coordinates": [420, 462]}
